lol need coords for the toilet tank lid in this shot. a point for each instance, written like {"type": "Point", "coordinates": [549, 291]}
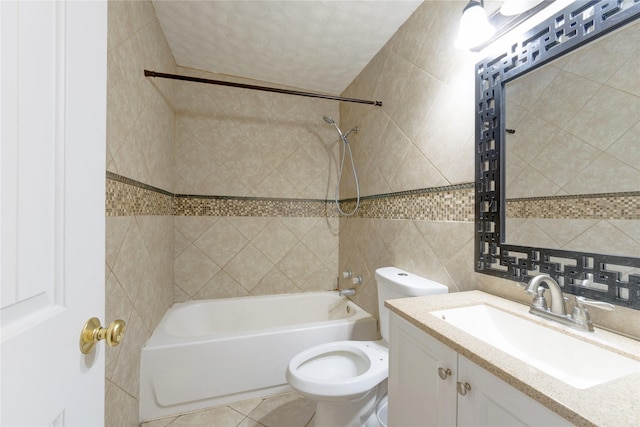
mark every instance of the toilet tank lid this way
{"type": "Point", "coordinates": [408, 283]}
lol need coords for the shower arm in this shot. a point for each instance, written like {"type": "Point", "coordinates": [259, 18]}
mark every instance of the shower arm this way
{"type": "Point", "coordinates": [148, 73]}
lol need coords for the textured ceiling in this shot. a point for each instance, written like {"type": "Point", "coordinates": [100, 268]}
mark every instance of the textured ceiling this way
{"type": "Point", "coordinates": [313, 45]}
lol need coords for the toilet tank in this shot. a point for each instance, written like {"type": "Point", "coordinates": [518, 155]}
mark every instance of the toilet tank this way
{"type": "Point", "coordinates": [395, 283]}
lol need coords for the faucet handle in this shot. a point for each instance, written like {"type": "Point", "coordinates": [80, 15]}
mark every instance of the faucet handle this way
{"type": "Point", "coordinates": [539, 301]}
{"type": "Point", "coordinates": [580, 313]}
{"type": "Point", "coordinates": [592, 303]}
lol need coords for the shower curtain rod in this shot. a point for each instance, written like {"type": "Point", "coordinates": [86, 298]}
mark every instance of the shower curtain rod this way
{"type": "Point", "coordinates": [148, 73]}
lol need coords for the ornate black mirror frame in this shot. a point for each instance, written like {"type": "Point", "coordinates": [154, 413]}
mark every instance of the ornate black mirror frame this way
{"type": "Point", "coordinates": [568, 29]}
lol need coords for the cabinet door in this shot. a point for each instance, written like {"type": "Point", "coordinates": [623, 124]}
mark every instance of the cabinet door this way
{"type": "Point", "coordinates": [492, 402]}
{"type": "Point", "coordinates": [418, 396]}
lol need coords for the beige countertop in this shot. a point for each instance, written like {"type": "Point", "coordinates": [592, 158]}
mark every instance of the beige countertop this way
{"type": "Point", "coordinates": [614, 403]}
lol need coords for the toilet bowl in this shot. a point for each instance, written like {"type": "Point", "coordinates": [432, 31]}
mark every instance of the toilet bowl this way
{"type": "Point", "coordinates": [339, 370]}
{"type": "Point", "coordinates": [348, 379]}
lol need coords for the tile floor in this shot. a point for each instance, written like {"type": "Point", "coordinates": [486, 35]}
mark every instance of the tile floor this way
{"type": "Point", "coordinates": [282, 410]}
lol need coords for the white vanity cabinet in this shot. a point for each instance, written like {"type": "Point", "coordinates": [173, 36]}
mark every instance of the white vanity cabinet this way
{"type": "Point", "coordinates": [432, 385]}
{"type": "Point", "coordinates": [418, 396]}
{"type": "Point", "coordinates": [493, 402]}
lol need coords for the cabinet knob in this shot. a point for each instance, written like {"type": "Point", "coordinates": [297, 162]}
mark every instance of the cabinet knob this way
{"type": "Point", "coordinates": [444, 373]}
{"type": "Point", "coordinates": [463, 388]}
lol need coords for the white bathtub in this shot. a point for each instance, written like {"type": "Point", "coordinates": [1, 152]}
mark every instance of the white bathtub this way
{"type": "Point", "coordinates": [214, 352]}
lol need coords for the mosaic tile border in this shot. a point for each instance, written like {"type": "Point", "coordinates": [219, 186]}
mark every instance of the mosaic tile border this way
{"type": "Point", "coordinates": [127, 199]}
{"type": "Point", "coordinates": [189, 205]}
{"type": "Point", "coordinates": [455, 203]}
{"type": "Point", "coordinates": [125, 196]}
{"type": "Point", "coordinates": [589, 206]}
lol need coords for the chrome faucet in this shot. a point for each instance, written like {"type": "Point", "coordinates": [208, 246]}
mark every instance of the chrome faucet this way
{"type": "Point", "coordinates": [579, 318]}
{"type": "Point", "coordinates": [557, 300]}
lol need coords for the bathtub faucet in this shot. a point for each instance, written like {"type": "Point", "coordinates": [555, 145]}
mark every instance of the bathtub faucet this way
{"type": "Point", "coordinates": [347, 292]}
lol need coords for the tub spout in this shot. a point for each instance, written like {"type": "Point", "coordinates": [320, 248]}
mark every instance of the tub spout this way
{"type": "Point", "coordinates": [347, 292]}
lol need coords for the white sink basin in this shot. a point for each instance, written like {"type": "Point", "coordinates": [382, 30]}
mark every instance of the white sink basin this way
{"type": "Point", "coordinates": [573, 361]}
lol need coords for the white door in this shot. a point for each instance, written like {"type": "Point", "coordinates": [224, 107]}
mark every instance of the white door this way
{"type": "Point", "coordinates": [53, 93]}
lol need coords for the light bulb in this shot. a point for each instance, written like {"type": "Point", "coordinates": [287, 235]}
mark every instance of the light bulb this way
{"type": "Point", "coordinates": [474, 27]}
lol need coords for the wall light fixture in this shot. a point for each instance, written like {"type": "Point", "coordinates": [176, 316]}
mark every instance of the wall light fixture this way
{"type": "Point", "coordinates": [475, 28]}
{"type": "Point", "coordinates": [516, 7]}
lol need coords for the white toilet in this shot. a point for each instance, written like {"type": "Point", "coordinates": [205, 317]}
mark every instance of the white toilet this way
{"type": "Point", "coordinates": [348, 379]}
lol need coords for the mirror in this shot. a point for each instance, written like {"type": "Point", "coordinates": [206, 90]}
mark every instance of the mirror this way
{"type": "Point", "coordinates": [574, 138]}
{"type": "Point", "coordinates": [558, 149]}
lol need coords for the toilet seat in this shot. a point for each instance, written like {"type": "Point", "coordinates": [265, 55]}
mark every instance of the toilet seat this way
{"type": "Point", "coordinates": [339, 369]}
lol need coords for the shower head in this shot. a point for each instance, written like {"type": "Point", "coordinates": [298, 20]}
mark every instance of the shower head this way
{"type": "Point", "coordinates": [333, 122]}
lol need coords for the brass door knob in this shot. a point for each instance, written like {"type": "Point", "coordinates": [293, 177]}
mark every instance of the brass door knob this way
{"type": "Point", "coordinates": [92, 332]}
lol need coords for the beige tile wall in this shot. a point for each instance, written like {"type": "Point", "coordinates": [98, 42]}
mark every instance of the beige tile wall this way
{"type": "Point", "coordinates": [238, 142]}
{"type": "Point", "coordinates": [138, 290]}
{"type": "Point", "coordinates": [218, 257]}
{"type": "Point", "coordinates": [139, 145]}
{"type": "Point", "coordinates": [421, 137]}
{"type": "Point", "coordinates": [140, 129]}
